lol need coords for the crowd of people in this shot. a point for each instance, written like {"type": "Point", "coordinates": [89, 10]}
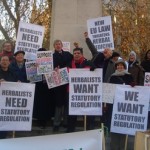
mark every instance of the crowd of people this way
{"type": "Point", "coordinates": [54, 102]}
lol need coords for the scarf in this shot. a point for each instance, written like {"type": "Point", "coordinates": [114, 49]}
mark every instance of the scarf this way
{"type": "Point", "coordinates": [77, 62]}
{"type": "Point", "coordinates": [120, 73]}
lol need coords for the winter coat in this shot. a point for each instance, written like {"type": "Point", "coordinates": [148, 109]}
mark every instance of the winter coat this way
{"type": "Point", "coordinates": [60, 93]}
{"type": "Point", "coordinates": [146, 65]}
{"type": "Point", "coordinates": [121, 79]}
{"type": "Point", "coordinates": [20, 72]}
{"type": "Point", "coordinates": [100, 62]}
{"type": "Point", "coordinates": [137, 73]}
{"type": "Point", "coordinates": [8, 75]}
{"type": "Point", "coordinates": [9, 54]}
{"type": "Point", "coordinates": [43, 105]}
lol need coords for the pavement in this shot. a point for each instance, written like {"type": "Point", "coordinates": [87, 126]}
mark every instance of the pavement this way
{"type": "Point", "coordinates": [48, 130]}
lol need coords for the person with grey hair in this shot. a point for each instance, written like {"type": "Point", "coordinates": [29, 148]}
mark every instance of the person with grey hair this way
{"type": "Point", "coordinates": [61, 58]}
{"type": "Point", "coordinates": [135, 69]}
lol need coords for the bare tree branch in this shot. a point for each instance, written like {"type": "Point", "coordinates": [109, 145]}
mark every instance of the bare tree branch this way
{"type": "Point", "coordinates": [4, 32]}
{"type": "Point", "coordinates": [8, 10]}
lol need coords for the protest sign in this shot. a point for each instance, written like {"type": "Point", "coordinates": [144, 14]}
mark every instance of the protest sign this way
{"type": "Point", "coordinates": [147, 79]}
{"type": "Point", "coordinates": [44, 62]}
{"type": "Point", "coordinates": [29, 39]}
{"type": "Point", "coordinates": [57, 78]}
{"type": "Point", "coordinates": [16, 106]}
{"type": "Point", "coordinates": [85, 92]}
{"type": "Point", "coordinates": [66, 46]}
{"type": "Point", "coordinates": [100, 32]}
{"type": "Point", "coordinates": [130, 109]}
{"type": "Point", "coordinates": [147, 82]}
{"type": "Point", "coordinates": [85, 140]}
{"type": "Point", "coordinates": [108, 92]}
{"type": "Point", "coordinates": [31, 71]}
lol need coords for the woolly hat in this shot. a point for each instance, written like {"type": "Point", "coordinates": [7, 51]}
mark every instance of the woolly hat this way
{"type": "Point", "coordinates": [132, 53]}
{"type": "Point", "coordinates": [121, 61]}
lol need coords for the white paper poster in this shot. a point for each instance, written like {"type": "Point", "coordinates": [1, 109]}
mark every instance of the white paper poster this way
{"type": "Point", "coordinates": [16, 106]}
{"type": "Point", "coordinates": [57, 78]}
{"type": "Point", "coordinates": [130, 110]}
{"type": "Point", "coordinates": [66, 46]}
{"type": "Point", "coordinates": [44, 62]}
{"type": "Point", "coordinates": [100, 32]}
{"type": "Point", "coordinates": [147, 79]}
{"type": "Point", "coordinates": [108, 92]}
{"type": "Point", "coordinates": [85, 92]}
{"type": "Point", "coordinates": [85, 140]}
{"type": "Point", "coordinates": [31, 71]}
{"type": "Point", "coordinates": [29, 39]}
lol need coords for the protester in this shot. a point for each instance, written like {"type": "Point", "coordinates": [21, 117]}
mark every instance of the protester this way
{"type": "Point", "coordinates": [6, 75]}
{"type": "Point", "coordinates": [121, 76]}
{"type": "Point", "coordinates": [61, 59]}
{"type": "Point", "coordinates": [146, 62]}
{"type": "Point", "coordinates": [7, 50]}
{"type": "Point", "coordinates": [135, 69]}
{"type": "Point", "coordinates": [105, 60]}
{"type": "Point", "coordinates": [79, 61]}
{"type": "Point", "coordinates": [18, 66]}
{"type": "Point", "coordinates": [146, 65]}
{"type": "Point", "coordinates": [43, 104]}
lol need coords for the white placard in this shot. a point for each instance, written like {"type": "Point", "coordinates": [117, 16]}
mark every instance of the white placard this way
{"type": "Point", "coordinates": [130, 110]}
{"type": "Point", "coordinates": [147, 82]}
{"type": "Point", "coordinates": [147, 79]}
{"type": "Point", "coordinates": [29, 39]}
{"type": "Point", "coordinates": [108, 92]}
{"type": "Point", "coordinates": [66, 46]}
{"type": "Point", "coordinates": [100, 32]}
{"type": "Point", "coordinates": [85, 140]}
{"type": "Point", "coordinates": [85, 92]}
{"type": "Point", "coordinates": [16, 106]}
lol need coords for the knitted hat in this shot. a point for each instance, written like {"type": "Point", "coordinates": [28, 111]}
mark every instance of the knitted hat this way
{"type": "Point", "coordinates": [132, 53]}
{"type": "Point", "coordinates": [121, 61]}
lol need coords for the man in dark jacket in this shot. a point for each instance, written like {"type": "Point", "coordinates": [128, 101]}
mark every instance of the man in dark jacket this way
{"type": "Point", "coordinates": [6, 75]}
{"type": "Point", "coordinates": [105, 60]}
{"type": "Point", "coordinates": [79, 61]}
{"type": "Point", "coordinates": [18, 66]}
{"type": "Point", "coordinates": [61, 59]}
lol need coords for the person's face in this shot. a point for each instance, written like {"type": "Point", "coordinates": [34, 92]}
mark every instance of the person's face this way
{"type": "Point", "coordinates": [115, 59]}
{"type": "Point", "coordinates": [107, 53]}
{"type": "Point", "coordinates": [148, 55]}
{"type": "Point", "coordinates": [132, 57]}
{"type": "Point", "coordinates": [120, 67]}
{"type": "Point", "coordinates": [7, 47]}
{"type": "Point", "coordinates": [77, 55]}
{"type": "Point", "coordinates": [4, 62]}
{"type": "Point", "coordinates": [58, 46]}
{"type": "Point", "coordinates": [19, 57]}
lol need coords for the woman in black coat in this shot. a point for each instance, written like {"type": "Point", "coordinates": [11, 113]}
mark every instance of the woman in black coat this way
{"type": "Point", "coordinates": [121, 76]}
{"type": "Point", "coordinates": [43, 108]}
{"type": "Point", "coordinates": [146, 62]}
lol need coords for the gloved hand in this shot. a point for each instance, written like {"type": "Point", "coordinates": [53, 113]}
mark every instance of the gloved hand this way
{"type": "Point", "coordinates": [132, 84]}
